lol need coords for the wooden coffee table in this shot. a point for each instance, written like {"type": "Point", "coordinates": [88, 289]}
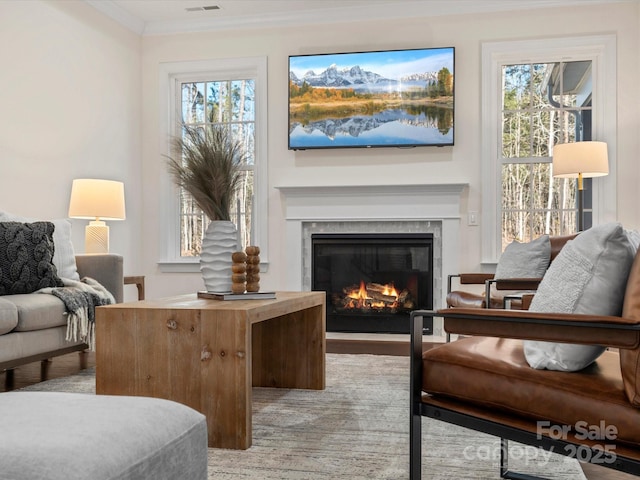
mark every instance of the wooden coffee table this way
{"type": "Point", "coordinates": [207, 354]}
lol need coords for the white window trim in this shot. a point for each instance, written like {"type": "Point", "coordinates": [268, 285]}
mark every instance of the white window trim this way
{"type": "Point", "coordinates": [601, 50]}
{"type": "Point", "coordinates": [171, 73]}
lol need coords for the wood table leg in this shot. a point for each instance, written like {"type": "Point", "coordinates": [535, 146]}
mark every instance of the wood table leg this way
{"type": "Point", "coordinates": [289, 351]}
{"type": "Point", "coordinates": [226, 379]}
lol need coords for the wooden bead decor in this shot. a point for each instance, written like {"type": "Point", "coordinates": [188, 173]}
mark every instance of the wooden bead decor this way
{"type": "Point", "coordinates": [239, 275]}
{"type": "Point", "coordinates": [253, 268]}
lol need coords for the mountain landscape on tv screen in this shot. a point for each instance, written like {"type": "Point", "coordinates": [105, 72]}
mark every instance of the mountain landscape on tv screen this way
{"type": "Point", "coordinates": [371, 99]}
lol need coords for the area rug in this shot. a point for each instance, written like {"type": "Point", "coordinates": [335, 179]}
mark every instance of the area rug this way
{"type": "Point", "coordinates": [357, 428]}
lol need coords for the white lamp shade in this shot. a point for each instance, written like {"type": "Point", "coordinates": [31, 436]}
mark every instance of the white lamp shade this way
{"type": "Point", "coordinates": [587, 158]}
{"type": "Point", "coordinates": [97, 199]}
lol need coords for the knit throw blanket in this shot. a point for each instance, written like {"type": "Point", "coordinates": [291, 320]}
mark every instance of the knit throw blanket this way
{"type": "Point", "coordinates": [80, 299]}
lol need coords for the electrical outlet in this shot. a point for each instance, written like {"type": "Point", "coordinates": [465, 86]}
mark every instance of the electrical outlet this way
{"type": "Point", "coordinates": [472, 219]}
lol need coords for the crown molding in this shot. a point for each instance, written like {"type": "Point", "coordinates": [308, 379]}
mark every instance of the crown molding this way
{"type": "Point", "coordinates": [319, 16]}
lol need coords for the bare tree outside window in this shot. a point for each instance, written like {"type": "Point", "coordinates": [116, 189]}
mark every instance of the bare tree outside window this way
{"type": "Point", "coordinates": [230, 103]}
{"type": "Point", "coordinates": [543, 104]}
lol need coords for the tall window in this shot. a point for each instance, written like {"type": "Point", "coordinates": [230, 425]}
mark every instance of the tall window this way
{"type": "Point", "coordinates": [543, 104]}
{"type": "Point", "coordinates": [231, 104]}
{"type": "Point", "coordinates": [535, 95]}
{"type": "Point", "coordinates": [231, 92]}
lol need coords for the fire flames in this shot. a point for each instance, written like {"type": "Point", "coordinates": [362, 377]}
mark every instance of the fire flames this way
{"type": "Point", "coordinates": [367, 297]}
{"type": "Point", "coordinates": [362, 298]}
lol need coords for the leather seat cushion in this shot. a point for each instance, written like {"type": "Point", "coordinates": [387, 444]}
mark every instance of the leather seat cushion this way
{"type": "Point", "coordinates": [463, 299]}
{"type": "Point", "coordinates": [493, 373]}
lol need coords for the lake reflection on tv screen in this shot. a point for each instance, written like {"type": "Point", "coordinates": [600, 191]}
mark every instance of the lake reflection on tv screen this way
{"type": "Point", "coordinates": [389, 128]}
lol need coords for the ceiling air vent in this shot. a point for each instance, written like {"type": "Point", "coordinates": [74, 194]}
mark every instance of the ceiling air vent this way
{"type": "Point", "coordinates": [200, 9]}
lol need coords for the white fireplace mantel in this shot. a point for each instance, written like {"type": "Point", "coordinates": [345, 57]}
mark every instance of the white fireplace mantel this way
{"type": "Point", "coordinates": [392, 202]}
{"type": "Point", "coordinates": [371, 203]}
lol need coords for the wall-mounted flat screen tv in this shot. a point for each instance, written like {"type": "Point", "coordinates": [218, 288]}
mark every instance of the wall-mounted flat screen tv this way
{"type": "Point", "coordinates": [392, 98]}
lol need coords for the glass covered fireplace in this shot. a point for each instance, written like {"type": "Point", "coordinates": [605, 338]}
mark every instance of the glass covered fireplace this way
{"type": "Point", "coordinates": [373, 281]}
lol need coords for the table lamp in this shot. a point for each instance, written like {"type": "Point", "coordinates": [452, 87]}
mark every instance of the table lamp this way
{"type": "Point", "coordinates": [97, 200]}
{"type": "Point", "coordinates": [580, 160]}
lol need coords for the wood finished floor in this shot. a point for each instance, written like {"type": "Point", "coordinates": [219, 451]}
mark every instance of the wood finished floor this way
{"type": "Point", "coordinates": [70, 364]}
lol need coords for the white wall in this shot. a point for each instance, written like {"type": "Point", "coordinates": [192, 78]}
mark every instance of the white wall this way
{"type": "Point", "coordinates": [79, 97]}
{"type": "Point", "coordinates": [460, 163]}
{"type": "Point", "coordinates": [69, 108]}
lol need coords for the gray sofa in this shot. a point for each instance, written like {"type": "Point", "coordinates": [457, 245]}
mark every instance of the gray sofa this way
{"type": "Point", "coordinates": [33, 326]}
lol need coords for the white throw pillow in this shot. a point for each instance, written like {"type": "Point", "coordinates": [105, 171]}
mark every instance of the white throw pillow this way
{"type": "Point", "coordinates": [525, 260]}
{"type": "Point", "coordinates": [588, 276]}
{"type": "Point", "coordinates": [63, 257]}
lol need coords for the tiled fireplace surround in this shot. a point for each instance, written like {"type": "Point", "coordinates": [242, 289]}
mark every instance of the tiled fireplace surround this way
{"type": "Point", "coordinates": [424, 208]}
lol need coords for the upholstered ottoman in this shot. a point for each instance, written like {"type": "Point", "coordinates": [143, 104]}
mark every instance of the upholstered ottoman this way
{"type": "Point", "coordinates": [69, 436]}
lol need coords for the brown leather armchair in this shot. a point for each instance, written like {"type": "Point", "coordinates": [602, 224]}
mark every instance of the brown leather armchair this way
{"type": "Point", "coordinates": [496, 290]}
{"type": "Point", "coordinates": [484, 383]}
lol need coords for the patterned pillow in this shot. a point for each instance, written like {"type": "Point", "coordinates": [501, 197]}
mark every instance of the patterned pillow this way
{"type": "Point", "coordinates": [64, 257]}
{"type": "Point", "coordinates": [26, 253]}
{"type": "Point", "coordinates": [588, 276]}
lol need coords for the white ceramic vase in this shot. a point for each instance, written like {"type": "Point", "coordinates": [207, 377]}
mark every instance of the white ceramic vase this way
{"type": "Point", "coordinates": [219, 242]}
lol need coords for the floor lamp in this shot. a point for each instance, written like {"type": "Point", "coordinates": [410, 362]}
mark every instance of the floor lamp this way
{"type": "Point", "coordinates": [580, 160]}
{"type": "Point", "coordinates": [97, 200]}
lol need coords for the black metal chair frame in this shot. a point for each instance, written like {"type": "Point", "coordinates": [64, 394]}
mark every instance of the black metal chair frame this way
{"type": "Point", "coordinates": [506, 433]}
